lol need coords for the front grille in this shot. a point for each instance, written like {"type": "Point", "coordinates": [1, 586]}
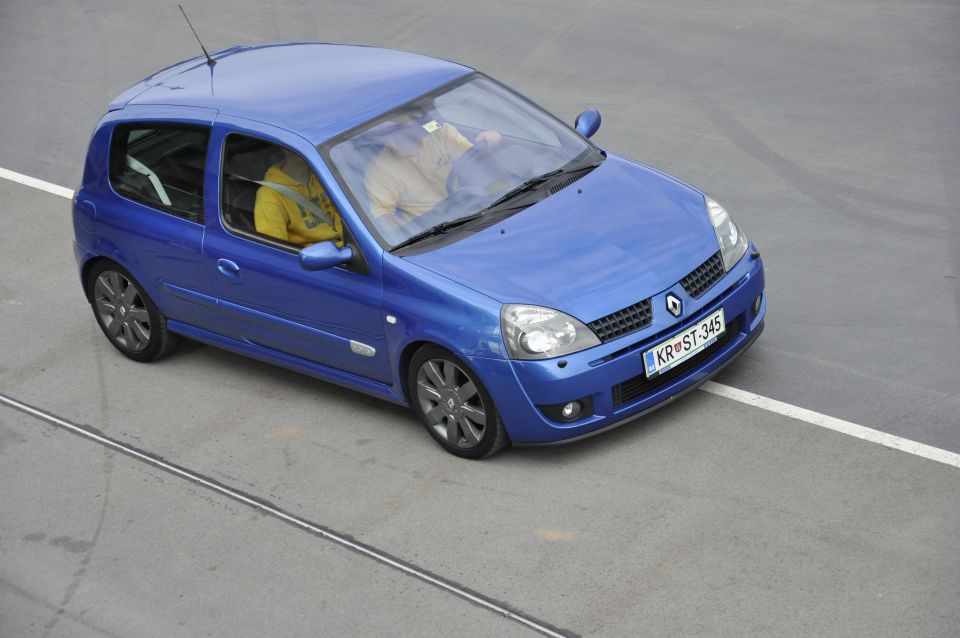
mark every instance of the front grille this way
{"type": "Point", "coordinates": [622, 322]}
{"type": "Point", "coordinates": [703, 276]}
{"type": "Point", "coordinates": [636, 387]}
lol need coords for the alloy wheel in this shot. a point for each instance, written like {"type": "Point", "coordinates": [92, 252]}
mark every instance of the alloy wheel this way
{"type": "Point", "coordinates": [451, 403]}
{"type": "Point", "coordinates": [122, 311]}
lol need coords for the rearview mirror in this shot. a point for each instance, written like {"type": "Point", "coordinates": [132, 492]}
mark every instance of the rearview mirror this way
{"type": "Point", "coordinates": [323, 255]}
{"type": "Point", "coordinates": [587, 122]}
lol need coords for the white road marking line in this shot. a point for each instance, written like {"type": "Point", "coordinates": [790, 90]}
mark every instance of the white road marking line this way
{"type": "Point", "coordinates": [33, 182]}
{"type": "Point", "coordinates": [728, 392]}
{"type": "Point", "coordinates": [833, 423]}
{"type": "Point", "coordinates": [268, 508]}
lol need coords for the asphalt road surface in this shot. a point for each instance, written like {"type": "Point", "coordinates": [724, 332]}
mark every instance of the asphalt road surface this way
{"type": "Point", "coordinates": [829, 130]}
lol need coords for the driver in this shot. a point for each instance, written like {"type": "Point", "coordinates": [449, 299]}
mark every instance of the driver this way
{"type": "Point", "coordinates": [408, 177]}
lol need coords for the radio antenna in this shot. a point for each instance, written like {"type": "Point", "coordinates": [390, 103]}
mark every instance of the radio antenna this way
{"type": "Point", "coordinates": [210, 60]}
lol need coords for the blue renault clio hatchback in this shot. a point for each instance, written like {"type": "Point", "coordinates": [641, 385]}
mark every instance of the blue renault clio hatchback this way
{"type": "Point", "coordinates": [409, 228]}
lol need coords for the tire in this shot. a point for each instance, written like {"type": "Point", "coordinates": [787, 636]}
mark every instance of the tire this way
{"type": "Point", "coordinates": [127, 316]}
{"type": "Point", "coordinates": [454, 405]}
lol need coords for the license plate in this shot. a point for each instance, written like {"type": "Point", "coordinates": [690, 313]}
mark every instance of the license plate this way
{"type": "Point", "coordinates": [680, 347]}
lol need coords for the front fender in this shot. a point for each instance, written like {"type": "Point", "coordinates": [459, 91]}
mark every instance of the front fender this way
{"type": "Point", "coordinates": [423, 307]}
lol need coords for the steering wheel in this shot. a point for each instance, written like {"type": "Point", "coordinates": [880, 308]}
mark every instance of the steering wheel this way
{"type": "Point", "coordinates": [473, 157]}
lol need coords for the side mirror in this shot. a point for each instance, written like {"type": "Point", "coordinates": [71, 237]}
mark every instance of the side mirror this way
{"type": "Point", "coordinates": [323, 255]}
{"type": "Point", "coordinates": [587, 122]}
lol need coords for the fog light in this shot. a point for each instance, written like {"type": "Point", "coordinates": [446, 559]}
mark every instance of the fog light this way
{"type": "Point", "coordinates": [571, 410]}
{"type": "Point", "coordinates": [756, 304]}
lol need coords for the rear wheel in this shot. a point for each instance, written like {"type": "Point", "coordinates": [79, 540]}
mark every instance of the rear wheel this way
{"type": "Point", "coordinates": [128, 317]}
{"type": "Point", "coordinates": [454, 405]}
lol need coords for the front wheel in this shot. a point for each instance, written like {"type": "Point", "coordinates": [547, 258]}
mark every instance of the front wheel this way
{"type": "Point", "coordinates": [128, 317]}
{"type": "Point", "coordinates": [454, 405]}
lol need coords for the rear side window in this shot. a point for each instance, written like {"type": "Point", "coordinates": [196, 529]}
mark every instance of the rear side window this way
{"type": "Point", "coordinates": [161, 165]}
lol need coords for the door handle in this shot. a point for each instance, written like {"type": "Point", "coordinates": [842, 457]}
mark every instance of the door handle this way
{"type": "Point", "coordinates": [228, 268]}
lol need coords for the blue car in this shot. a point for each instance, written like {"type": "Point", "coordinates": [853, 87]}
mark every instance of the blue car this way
{"type": "Point", "coordinates": [412, 229]}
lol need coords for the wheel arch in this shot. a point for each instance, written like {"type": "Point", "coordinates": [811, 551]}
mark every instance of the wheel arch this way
{"type": "Point", "coordinates": [85, 273]}
{"type": "Point", "coordinates": [410, 350]}
{"type": "Point", "coordinates": [406, 356]}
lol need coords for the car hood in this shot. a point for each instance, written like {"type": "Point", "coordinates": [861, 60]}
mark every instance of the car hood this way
{"type": "Point", "coordinates": [620, 234]}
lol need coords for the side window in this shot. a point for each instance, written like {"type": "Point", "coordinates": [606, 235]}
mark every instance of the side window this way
{"type": "Point", "coordinates": [161, 165]}
{"type": "Point", "coordinates": [270, 193]}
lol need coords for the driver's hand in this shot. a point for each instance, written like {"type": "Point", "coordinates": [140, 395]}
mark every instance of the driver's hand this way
{"type": "Point", "coordinates": [491, 138]}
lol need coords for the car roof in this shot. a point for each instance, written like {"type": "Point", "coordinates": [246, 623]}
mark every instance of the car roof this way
{"type": "Point", "coordinates": [317, 90]}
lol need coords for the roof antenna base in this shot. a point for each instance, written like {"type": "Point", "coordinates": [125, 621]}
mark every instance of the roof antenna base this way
{"type": "Point", "coordinates": [210, 60]}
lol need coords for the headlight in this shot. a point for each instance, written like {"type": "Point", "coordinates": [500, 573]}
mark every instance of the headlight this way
{"type": "Point", "coordinates": [533, 332]}
{"type": "Point", "coordinates": [733, 243]}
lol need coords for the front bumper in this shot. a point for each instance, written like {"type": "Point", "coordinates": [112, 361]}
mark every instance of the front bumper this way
{"type": "Point", "coordinates": [611, 374]}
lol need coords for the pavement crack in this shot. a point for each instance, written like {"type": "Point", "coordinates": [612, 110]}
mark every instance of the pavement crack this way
{"type": "Point", "coordinates": [81, 572]}
{"type": "Point", "coordinates": [346, 541]}
{"type": "Point", "coordinates": [40, 602]}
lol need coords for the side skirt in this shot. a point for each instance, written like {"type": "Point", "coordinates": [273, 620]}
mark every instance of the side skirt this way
{"type": "Point", "coordinates": [309, 368]}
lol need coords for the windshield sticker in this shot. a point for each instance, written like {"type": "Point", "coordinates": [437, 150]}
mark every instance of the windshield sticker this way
{"type": "Point", "coordinates": [431, 126]}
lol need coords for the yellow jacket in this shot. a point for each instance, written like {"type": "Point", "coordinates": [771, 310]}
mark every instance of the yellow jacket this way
{"type": "Point", "coordinates": [278, 216]}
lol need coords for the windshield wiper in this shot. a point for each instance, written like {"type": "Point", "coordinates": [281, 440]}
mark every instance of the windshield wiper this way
{"type": "Point", "coordinates": [525, 187]}
{"type": "Point", "coordinates": [533, 183]}
{"type": "Point", "coordinates": [439, 229]}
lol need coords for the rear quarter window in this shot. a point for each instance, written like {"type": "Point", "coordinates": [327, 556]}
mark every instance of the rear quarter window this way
{"type": "Point", "coordinates": [161, 165]}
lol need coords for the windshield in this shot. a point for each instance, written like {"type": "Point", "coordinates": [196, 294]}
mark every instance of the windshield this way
{"type": "Point", "coordinates": [448, 156]}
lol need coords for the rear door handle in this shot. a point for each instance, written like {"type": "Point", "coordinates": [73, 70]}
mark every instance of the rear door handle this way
{"type": "Point", "coordinates": [228, 268]}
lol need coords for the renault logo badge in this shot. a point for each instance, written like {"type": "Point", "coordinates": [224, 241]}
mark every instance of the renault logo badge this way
{"type": "Point", "coordinates": [674, 305]}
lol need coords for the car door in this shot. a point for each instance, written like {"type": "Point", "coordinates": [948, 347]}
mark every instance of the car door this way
{"type": "Point", "coordinates": [150, 202]}
{"type": "Point", "coordinates": [329, 317]}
